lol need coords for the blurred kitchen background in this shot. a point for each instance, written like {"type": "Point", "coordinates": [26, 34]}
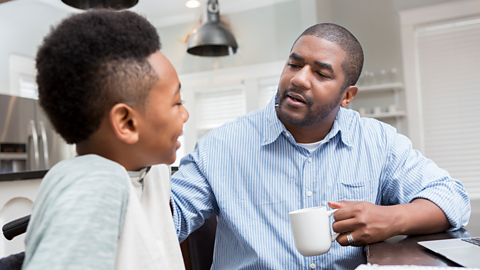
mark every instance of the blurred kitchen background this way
{"type": "Point", "coordinates": [420, 73]}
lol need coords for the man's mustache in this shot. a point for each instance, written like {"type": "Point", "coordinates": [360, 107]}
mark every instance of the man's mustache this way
{"type": "Point", "coordinates": [309, 100]}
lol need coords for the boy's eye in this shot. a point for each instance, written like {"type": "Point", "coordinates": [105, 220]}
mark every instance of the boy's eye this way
{"type": "Point", "coordinates": [181, 102]}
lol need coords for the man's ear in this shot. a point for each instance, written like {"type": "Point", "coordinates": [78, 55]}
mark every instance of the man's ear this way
{"type": "Point", "coordinates": [348, 95]}
{"type": "Point", "coordinates": [124, 123]}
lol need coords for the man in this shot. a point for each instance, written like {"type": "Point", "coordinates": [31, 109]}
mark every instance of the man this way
{"type": "Point", "coordinates": [304, 150]}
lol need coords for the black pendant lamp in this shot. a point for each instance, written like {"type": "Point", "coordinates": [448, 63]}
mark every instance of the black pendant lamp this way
{"type": "Point", "coordinates": [113, 4]}
{"type": "Point", "coordinates": [212, 38]}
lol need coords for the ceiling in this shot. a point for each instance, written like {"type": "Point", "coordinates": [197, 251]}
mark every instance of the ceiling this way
{"type": "Point", "coordinates": [169, 12]}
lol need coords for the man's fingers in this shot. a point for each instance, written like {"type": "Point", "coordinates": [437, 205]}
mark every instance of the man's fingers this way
{"type": "Point", "coordinates": [345, 222]}
{"type": "Point", "coordinates": [345, 211]}
{"type": "Point", "coordinates": [343, 240]}
{"type": "Point", "coordinates": [335, 205]}
{"type": "Point", "coordinates": [344, 225]}
{"type": "Point", "coordinates": [341, 204]}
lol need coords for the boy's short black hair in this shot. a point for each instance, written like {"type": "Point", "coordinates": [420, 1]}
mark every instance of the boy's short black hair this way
{"type": "Point", "coordinates": [90, 62]}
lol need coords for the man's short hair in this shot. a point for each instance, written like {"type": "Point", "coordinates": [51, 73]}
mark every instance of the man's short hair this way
{"type": "Point", "coordinates": [90, 62]}
{"type": "Point", "coordinates": [353, 62]}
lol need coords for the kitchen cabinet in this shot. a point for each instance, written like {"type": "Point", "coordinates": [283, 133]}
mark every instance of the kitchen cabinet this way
{"type": "Point", "coordinates": [18, 191]}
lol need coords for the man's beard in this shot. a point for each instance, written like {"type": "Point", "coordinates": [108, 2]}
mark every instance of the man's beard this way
{"type": "Point", "coordinates": [313, 116]}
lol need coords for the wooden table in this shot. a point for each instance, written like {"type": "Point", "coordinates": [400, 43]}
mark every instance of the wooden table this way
{"type": "Point", "coordinates": [404, 250]}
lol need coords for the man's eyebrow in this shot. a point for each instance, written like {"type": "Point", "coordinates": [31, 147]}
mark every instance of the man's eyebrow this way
{"type": "Point", "coordinates": [296, 56]}
{"type": "Point", "coordinates": [318, 63]}
{"type": "Point", "coordinates": [324, 65]}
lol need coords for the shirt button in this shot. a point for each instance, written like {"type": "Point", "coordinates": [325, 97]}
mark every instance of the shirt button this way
{"type": "Point", "coordinates": [312, 266]}
{"type": "Point", "coordinates": [287, 134]}
{"type": "Point", "coordinates": [309, 193]}
{"type": "Point", "coordinates": [309, 159]}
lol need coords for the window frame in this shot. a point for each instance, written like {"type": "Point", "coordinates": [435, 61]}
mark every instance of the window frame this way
{"type": "Point", "coordinates": [409, 21]}
{"type": "Point", "coordinates": [250, 77]}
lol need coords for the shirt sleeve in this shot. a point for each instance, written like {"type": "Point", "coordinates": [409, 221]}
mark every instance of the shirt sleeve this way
{"type": "Point", "coordinates": [409, 176]}
{"type": "Point", "coordinates": [192, 197]}
{"type": "Point", "coordinates": [80, 227]}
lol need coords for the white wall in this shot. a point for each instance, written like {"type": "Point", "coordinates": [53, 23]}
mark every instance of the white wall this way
{"type": "Point", "coordinates": [263, 35]}
{"type": "Point", "coordinates": [23, 24]}
{"type": "Point", "coordinates": [376, 24]}
{"type": "Point", "coordinates": [266, 34]}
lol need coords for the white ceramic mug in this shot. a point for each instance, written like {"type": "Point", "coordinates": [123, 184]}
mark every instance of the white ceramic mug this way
{"type": "Point", "coordinates": [311, 230]}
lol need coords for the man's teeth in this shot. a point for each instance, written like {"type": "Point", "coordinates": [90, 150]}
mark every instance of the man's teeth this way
{"type": "Point", "coordinates": [296, 99]}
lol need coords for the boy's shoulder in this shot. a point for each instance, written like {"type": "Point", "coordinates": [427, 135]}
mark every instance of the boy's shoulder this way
{"type": "Point", "coordinates": [87, 164]}
{"type": "Point", "coordinates": [96, 163]}
{"type": "Point", "coordinates": [78, 198]}
{"type": "Point", "coordinates": [86, 170]}
{"type": "Point", "coordinates": [78, 183]}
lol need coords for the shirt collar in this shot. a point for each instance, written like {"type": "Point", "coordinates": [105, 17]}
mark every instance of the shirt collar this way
{"type": "Point", "coordinates": [273, 127]}
{"type": "Point", "coordinates": [342, 125]}
{"type": "Point", "coordinates": [138, 175]}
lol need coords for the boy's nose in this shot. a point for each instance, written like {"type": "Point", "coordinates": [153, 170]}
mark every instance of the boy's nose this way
{"type": "Point", "coordinates": [185, 114]}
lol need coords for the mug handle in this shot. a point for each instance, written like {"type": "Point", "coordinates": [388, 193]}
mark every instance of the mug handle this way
{"type": "Point", "coordinates": [329, 214]}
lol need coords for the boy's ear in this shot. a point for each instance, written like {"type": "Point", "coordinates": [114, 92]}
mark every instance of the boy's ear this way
{"type": "Point", "coordinates": [124, 123]}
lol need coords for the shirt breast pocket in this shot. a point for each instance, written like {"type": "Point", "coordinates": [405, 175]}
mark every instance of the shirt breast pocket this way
{"type": "Point", "coordinates": [363, 190]}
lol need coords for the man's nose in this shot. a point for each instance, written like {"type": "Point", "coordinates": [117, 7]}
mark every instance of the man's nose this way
{"type": "Point", "coordinates": [302, 78]}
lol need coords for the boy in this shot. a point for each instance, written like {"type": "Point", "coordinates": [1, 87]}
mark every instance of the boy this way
{"type": "Point", "coordinates": [106, 87]}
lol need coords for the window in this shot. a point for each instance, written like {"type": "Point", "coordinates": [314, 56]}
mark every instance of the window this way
{"type": "Point", "coordinates": [447, 59]}
{"type": "Point", "coordinates": [22, 76]}
{"type": "Point", "coordinates": [265, 94]}
{"type": "Point", "coordinates": [440, 47]}
{"type": "Point", "coordinates": [218, 96]}
{"type": "Point", "coordinates": [214, 108]}
{"type": "Point", "coordinates": [28, 87]}
{"type": "Point", "coordinates": [267, 87]}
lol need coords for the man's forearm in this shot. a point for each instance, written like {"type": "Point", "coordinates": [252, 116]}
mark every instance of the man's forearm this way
{"type": "Point", "coordinates": [421, 216]}
{"type": "Point", "coordinates": [370, 223]}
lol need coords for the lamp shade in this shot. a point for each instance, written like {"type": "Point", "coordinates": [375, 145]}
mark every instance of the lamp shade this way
{"type": "Point", "coordinates": [212, 38]}
{"type": "Point", "coordinates": [113, 4]}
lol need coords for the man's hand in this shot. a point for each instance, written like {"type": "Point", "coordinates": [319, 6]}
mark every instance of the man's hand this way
{"type": "Point", "coordinates": [370, 223]}
{"type": "Point", "coordinates": [366, 222]}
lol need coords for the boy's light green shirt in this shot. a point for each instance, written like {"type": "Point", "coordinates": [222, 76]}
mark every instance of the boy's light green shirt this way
{"type": "Point", "coordinates": [77, 215]}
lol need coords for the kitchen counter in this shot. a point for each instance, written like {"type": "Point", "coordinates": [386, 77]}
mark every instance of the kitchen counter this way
{"type": "Point", "coordinates": [36, 174]}
{"type": "Point", "coordinates": [22, 175]}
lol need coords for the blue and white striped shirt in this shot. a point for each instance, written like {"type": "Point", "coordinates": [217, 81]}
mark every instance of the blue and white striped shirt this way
{"type": "Point", "coordinates": [251, 173]}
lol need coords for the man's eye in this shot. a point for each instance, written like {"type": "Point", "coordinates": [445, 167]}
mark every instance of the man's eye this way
{"type": "Point", "coordinates": [323, 75]}
{"type": "Point", "coordinates": [293, 65]}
